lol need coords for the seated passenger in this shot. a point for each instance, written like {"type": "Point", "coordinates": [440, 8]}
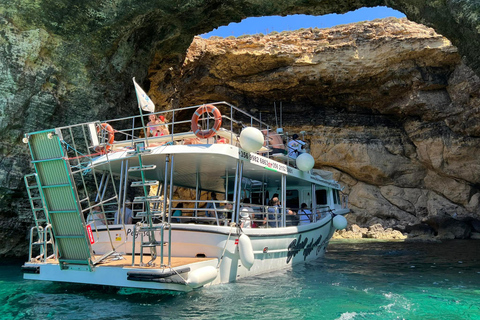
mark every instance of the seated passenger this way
{"type": "Point", "coordinates": [177, 213]}
{"type": "Point", "coordinates": [295, 147]}
{"type": "Point", "coordinates": [228, 214]}
{"type": "Point", "coordinates": [274, 141]}
{"type": "Point", "coordinates": [222, 140]}
{"type": "Point", "coordinates": [192, 141]}
{"type": "Point", "coordinates": [305, 214]}
{"type": "Point", "coordinates": [211, 205]}
{"type": "Point", "coordinates": [292, 219]}
{"type": "Point", "coordinates": [156, 126]}
{"type": "Point", "coordinates": [96, 215]}
{"type": "Point", "coordinates": [128, 217]}
{"type": "Point", "coordinates": [245, 220]}
{"type": "Point", "coordinates": [274, 214]}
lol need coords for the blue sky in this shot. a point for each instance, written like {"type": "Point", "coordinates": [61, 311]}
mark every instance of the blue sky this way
{"type": "Point", "coordinates": [266, 25]}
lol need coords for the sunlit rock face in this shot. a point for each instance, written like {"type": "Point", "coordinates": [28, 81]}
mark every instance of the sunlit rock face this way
{"type": "Point", "coordinates": [64, 62]}
{"type": "Point", "coordinates": [388, 105]}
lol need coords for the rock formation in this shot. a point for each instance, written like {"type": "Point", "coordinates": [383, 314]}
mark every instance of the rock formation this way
{"type": "Point", "coordinates": [375, 231]}
{"type": "Point", "coordinates": [387, 105]}
{"type": "Point", "coordinates": [66, 62]}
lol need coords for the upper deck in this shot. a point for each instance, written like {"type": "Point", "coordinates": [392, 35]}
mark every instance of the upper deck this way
{"type": "Point", "coordinates": [106, 145]}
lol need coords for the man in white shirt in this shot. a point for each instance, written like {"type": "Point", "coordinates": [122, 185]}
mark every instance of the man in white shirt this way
{"type": "Point", "coordinates": [295, 147]}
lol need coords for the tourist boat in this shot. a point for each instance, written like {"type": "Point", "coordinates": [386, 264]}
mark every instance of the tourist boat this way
{"type": "Point", "coordinates": [207, 148]}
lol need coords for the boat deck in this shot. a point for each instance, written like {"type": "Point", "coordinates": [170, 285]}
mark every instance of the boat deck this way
{"type": "Point", "coordinates": [126, 262]}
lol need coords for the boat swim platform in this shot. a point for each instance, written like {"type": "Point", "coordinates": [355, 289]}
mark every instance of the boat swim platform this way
{"type": "Point", "coordinates": [121, 273]}
{"type": "Point", "coordinates": [126, 262]}
{"type": "Point", "coordinates": [175, 262]}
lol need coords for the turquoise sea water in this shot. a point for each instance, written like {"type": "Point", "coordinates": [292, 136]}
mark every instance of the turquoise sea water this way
{"type": "Point", "coordinates": [355, 280]}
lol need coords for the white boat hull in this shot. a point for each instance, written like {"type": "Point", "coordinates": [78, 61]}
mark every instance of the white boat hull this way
{"type": "Point", "coordinates": [273, 249]}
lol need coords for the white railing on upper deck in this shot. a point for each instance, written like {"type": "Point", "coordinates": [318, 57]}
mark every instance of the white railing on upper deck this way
{"type": "Point", "coordinates": [131, 130]}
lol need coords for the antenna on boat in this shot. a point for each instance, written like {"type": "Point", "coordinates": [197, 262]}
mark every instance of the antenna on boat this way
{"type": "Point", "coordinates": [281, 112]}
{"type": "Point", "coordinates": [275, 107]}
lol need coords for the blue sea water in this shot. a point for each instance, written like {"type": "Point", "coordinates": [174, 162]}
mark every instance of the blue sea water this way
{"type": "Point", "coordinates": [355, 280]}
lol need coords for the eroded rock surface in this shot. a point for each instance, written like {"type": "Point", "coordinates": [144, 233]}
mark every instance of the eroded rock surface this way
{"type": "Point", "coordinates": [375, 231]}
{"type": "Point", "coordinates": [387, 105]}
{"type": "Point", "coordinates": [69, 61]}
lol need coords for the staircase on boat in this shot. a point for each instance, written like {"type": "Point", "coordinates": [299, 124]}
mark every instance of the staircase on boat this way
{"type": "Point", "coordinates": [61, 206]}
{"type": "Point", "coordinates": [152, 205]}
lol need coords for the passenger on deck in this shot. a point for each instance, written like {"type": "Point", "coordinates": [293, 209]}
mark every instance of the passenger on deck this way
{"type": "Point", "coordinates": [292, 218]}
{"type": "Point", "coordinates": [128, 217]}
{"type": "Point", "coordinates": [274, 214]}
{"type": "Point", "coordinates": [245, 220]}
{"type": "Point", "coordinates": [222, 140]}
{"type": "Point", "coordinates": [274, 141]}
{"type": "Point", "coordinates": [211, 205]}
{"type": "Point", "coordinates": [96, 215]}
{"type": "Point", "coordinates": [226, 215]}
{"type": "Point", "coordinates": [295, 147]}
{"type": "Point", "coordinates": [156, 126]}
{"type": "Point", "coordinates": [177, 213]}
{"type": "Point", "coordinates": [305, 214]}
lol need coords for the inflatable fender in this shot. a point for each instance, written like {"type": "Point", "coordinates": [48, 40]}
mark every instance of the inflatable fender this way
{"type": "Point", "coordinates": [202, 276]}
{"type": "Point", "coordinates": [339, 222]}
{"type": "Point", "coordinates": [245, 249]}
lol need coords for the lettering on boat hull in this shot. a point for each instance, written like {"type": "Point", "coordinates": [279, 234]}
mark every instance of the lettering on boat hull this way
{"type": "Point", "coordinates": [298, 244]}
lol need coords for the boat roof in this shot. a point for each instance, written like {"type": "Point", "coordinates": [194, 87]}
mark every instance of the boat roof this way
{"type": "Point", "coordinates": [213, 164]}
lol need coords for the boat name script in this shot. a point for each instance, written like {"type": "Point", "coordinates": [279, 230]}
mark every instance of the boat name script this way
{"type": "Point", "coordinates": [263, 162]}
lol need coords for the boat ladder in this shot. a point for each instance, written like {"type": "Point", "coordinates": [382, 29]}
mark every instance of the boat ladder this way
{"type": "Point", "coordinates": [42, 227]}
{"type": "Point", "coordinates": [148, 227]}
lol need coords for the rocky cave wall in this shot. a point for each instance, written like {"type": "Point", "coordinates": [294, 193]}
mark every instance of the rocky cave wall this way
{"type": "Point", "coordinates": [387, 105]}
{"type": "Point", "coordinates": [65, 61]}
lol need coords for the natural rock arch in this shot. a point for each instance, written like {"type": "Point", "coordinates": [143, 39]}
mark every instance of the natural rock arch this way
{"type": "Point", "coordinates": [67, 62]}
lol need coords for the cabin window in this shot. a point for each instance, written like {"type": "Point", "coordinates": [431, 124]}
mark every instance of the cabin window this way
{"type": "Point", "coordinates": [321, 196]}
{"type": "Point", "coordinates": [293, 200]}
{"type": "Point", "coordinates": [257, 197]}
{"type": "Point", "coordinates": [336, 197]}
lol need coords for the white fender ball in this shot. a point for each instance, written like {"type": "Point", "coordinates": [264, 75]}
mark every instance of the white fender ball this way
{"type": "Point", "coordinates": [305, 162]}
{"type": "Point", "coordinates": [245, 249]}
{"type": "Point", "coordinates": [251, 139]}
{"type": "Point", "coordinates": [202, 276]}
{"type": "Point", "coordinates": [339, 222]}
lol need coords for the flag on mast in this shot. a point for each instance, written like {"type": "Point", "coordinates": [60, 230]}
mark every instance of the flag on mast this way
{"type": "Point", "coordinates": [144, 101]}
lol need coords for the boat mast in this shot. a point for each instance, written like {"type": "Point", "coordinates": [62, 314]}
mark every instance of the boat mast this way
{"type": "Point", "coordinates": [237, 190]}
{"type": "Point", "coordinates": [283, 190]}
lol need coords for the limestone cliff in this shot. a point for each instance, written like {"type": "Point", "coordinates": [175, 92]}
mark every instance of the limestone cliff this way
{"type": "Point", "coordinates": [388, 105]}
{"type": "Point", "coordinates": [63, 62]}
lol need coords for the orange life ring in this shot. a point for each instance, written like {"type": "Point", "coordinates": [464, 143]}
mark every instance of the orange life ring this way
{"type": "Point", "coordinates": [111, 137]}
{"type": "Point", "coordinates": [204, 134]}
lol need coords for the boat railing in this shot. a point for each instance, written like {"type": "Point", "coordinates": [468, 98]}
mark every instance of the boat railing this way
{"type": "Point", "coordinates": [322, 211]}
{"type": "Point", "coordinates": [263, 216]}
{"type": "Point", "coordinates": [85, 141]}
{"type": "Point", "coordinates": [272, 217]}
{"type": "Point", "coordinates": [134, 129]}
